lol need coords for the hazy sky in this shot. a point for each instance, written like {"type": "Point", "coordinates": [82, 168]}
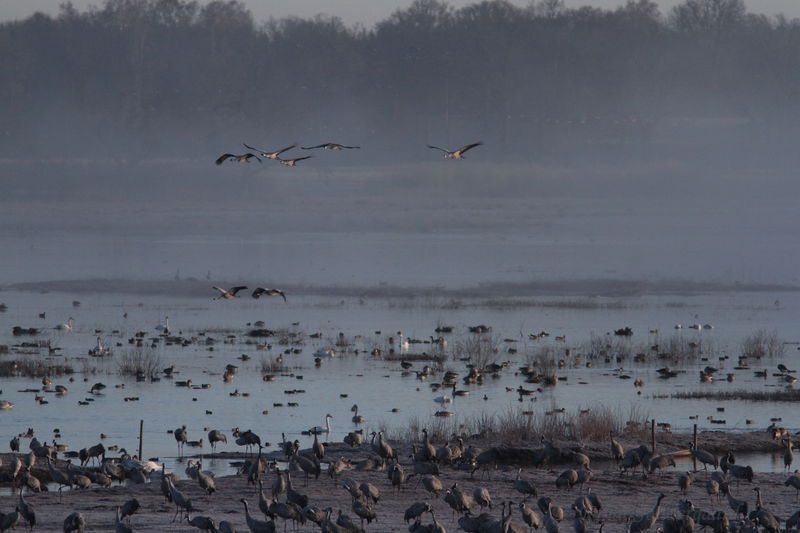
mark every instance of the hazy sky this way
{"type": "Point", "coordinates": [364, 11]}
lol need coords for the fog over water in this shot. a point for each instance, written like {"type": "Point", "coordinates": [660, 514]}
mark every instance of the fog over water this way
{"type": "Point", "coordinates": [630, 143]}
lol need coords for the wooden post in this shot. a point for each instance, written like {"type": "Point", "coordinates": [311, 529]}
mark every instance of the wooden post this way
{"type": "Point", "coordinates": [141, 431]}
{"type": "Point", "coordinates": [694, 441]}
{"type": "Point", "coordinates": [653, 435]}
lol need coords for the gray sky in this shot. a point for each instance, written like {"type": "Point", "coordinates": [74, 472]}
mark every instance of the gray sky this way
{"type": "Point", "coordinates": [365, 11]}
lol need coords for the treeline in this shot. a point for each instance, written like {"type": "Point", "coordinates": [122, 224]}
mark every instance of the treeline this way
{"type": "Point", "coordinates": [165, 78]}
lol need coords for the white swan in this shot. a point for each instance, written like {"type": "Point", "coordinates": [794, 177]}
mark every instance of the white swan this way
{"type": "Point", "coordinates": [325, 353]}
{"type": "Point", "coordinates": [327, 429]}
{"type": "Point", "coordinates": [163, 327]}
{"type": "Point", "coordinates": [67, 326]}
{"type": "Point", "coordinates": [443, 399]}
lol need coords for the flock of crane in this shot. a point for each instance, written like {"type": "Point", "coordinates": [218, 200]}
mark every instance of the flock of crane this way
{"type": "Point", "coordinates": [416, 475]}
{"type": "Point", "coordinates": [276, 154]}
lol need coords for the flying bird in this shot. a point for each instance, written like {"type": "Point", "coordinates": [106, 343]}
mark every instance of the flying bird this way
{"type": "Point", "coordinates": [261, 291]}
{"type": "Point", "coordinates": [270, 155]}
{"type": "Point", "coordinates": [238, 158]}
{"type": "Point", "coordinates": [229, 293]}
{"type": "Point", "coordinates": [456, 154]}
{"type": "Point", "coordinates": [292, 162]}
{"type": "Point", "coordinates": [330, 146]}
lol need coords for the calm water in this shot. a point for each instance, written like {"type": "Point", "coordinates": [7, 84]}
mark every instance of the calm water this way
{"type": "Point", "coordinates": [375, 385]}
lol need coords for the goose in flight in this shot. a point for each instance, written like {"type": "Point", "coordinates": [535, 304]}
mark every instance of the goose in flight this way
{"type": "Point", "coordinates": [229, 293]}
{"type": "Point", "coordinates": [330, 146]}
{"type": "Point", "coordinates": [270, 155]}
{"type": "Point", "coordinates": [261, 291]}
{"type": "Point", "coordinates": [292, 162]}
{"type": "Point", "coordinates": [456, 154]}
{"type": "Point", "coordinates": [238, 158]}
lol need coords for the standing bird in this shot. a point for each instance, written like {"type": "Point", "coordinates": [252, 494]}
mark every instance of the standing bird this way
{"type": "Point", "coordinates": [26, 511]}
{"type": "Point", "coordinates": [530, 516]}
{"type": "Point", "coordinates": [617, 451]}
{"type": "Point", "coordinates": [456, 154]}
{"type": "Point", "coordinates": [179, 499]}
{"type": "Point", "coordinates": [794, 481]}
{"type": "Point", "coordinates": [255, 525]}
{"type": "Point", "coordinates": [318, 448]}
{"type": "Point", "coordinates": [524, 486]}
{"type": "Point", "coordinates": [330, 146]}
{"type": "Point", "coordinates": [128, 508]}
{"type": "Point", "coordinates": [229, 294]}
{"type": "Point", "coordinates": [647, 521]}
{"type": "Point", "coordinates": [684, 481]}
{"type": "Point", "coordinates": [205, 481]}
{"type": "Point", "coordinates": [364, 511]}
{"type": "Point", "coordinates": [14, 444]}
{"type": "Point", "coordinates": [788, 455]}
{"type": "Point", "coordinates": [261, 291]}
{"type": "Point", "coordinates": [292, 162]}
{"type": "Point", "coordinates": [482, 497]}
{"type": "Point", "coordinates": [215, 436]}
{"type": "Point", "coordinates": [181, 438]}
{"type": "Point", "coordinates": [245, 158]}
{"type": "Point", "coordinates": [707, 458]}
{"type": "Point", "coordinates": [203, 523]}
{"type": "Point", "coordinates": [270, 155]}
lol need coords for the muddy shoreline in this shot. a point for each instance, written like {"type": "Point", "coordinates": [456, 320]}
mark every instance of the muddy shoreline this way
{"type": "Point", "coordinates": [622, 495]}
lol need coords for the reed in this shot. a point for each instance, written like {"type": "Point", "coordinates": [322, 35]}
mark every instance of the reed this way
{"type": "Point", "coordinates": [519, 426]}
{"type": "Point", "coordinates": [438, 358]}
{"type": "Point", "coordinates": [273, 365]}
{"type": "Point", "coordinates": [33, 369]}
{"type": "Point", "coordinates": [139, 361]}
{"type": "Point", "coordinates": [783, 395]}
{"type": "Point", "coordinates": [763, 343]}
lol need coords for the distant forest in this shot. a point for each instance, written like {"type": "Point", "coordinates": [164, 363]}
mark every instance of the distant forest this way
{"type": "Point", "coordinates": [174, 78]}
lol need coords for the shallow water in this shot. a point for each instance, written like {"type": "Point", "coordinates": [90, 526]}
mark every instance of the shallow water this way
{"type": "Point", "coordinates": [377, 386]}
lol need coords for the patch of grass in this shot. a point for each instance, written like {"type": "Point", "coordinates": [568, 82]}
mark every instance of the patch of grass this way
{"type": "Point", "coordinates": [518, 425]}
{"type": "Point", "coordinates": [762, 344]}
{"type": "Point", "coordinates": [33, 369]}
{"type": "Point", "coordinates": [273, 365]}
{"type": "Point", "coordinates": [478, 349]}
{"type": "Point", "coordinates": [438, 358]}
{"type": "Point", "coordinates": [783, 395]}
{"type": "Point", "coordinates": [139, 361]}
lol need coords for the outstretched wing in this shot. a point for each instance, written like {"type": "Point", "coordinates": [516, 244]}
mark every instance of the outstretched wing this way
{"type": "Point", "coordinates": [221, 291]}
{"type": "Point", "coordinates": [234, 290]}
{"type": "Point", "coordinates": [323, 145]}
{"type": "Point", "coordinates": [258, 292]}
{"type": "Point", "coordinates": [249, 155]}
{"type": "Point", "coordinates": [221, 159]}
{"type": "Point", "coordinates": [349, 147]}
{"type": "Point", "coordinates": [301, 158]}
{"type": "Point", "coordinates": [280, 292]}
{"type": "Point", "coordinates": [259, 150]}
{"type": "Point", "coordinates": [279, 152]}
{"type": "Point", "coordinates": [468, 147]}
{"type": "Point", "coordinates": [437, 148]}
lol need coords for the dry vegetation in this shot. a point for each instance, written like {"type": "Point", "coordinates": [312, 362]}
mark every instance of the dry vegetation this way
{"type": "Point", "coordinates": [33, 369]}
{"type": "Point", "coordinates": [763, 343]}
{"type": "Point", "coordinates": [784, 395]}
{"type": "Point", "coordinates": [139, 362]}
{"type": "Point", "coordinates": [518, 425]}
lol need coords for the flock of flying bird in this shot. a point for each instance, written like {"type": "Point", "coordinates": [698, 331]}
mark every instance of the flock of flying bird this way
{"type": "Point", "coordinates": [276, 155]}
